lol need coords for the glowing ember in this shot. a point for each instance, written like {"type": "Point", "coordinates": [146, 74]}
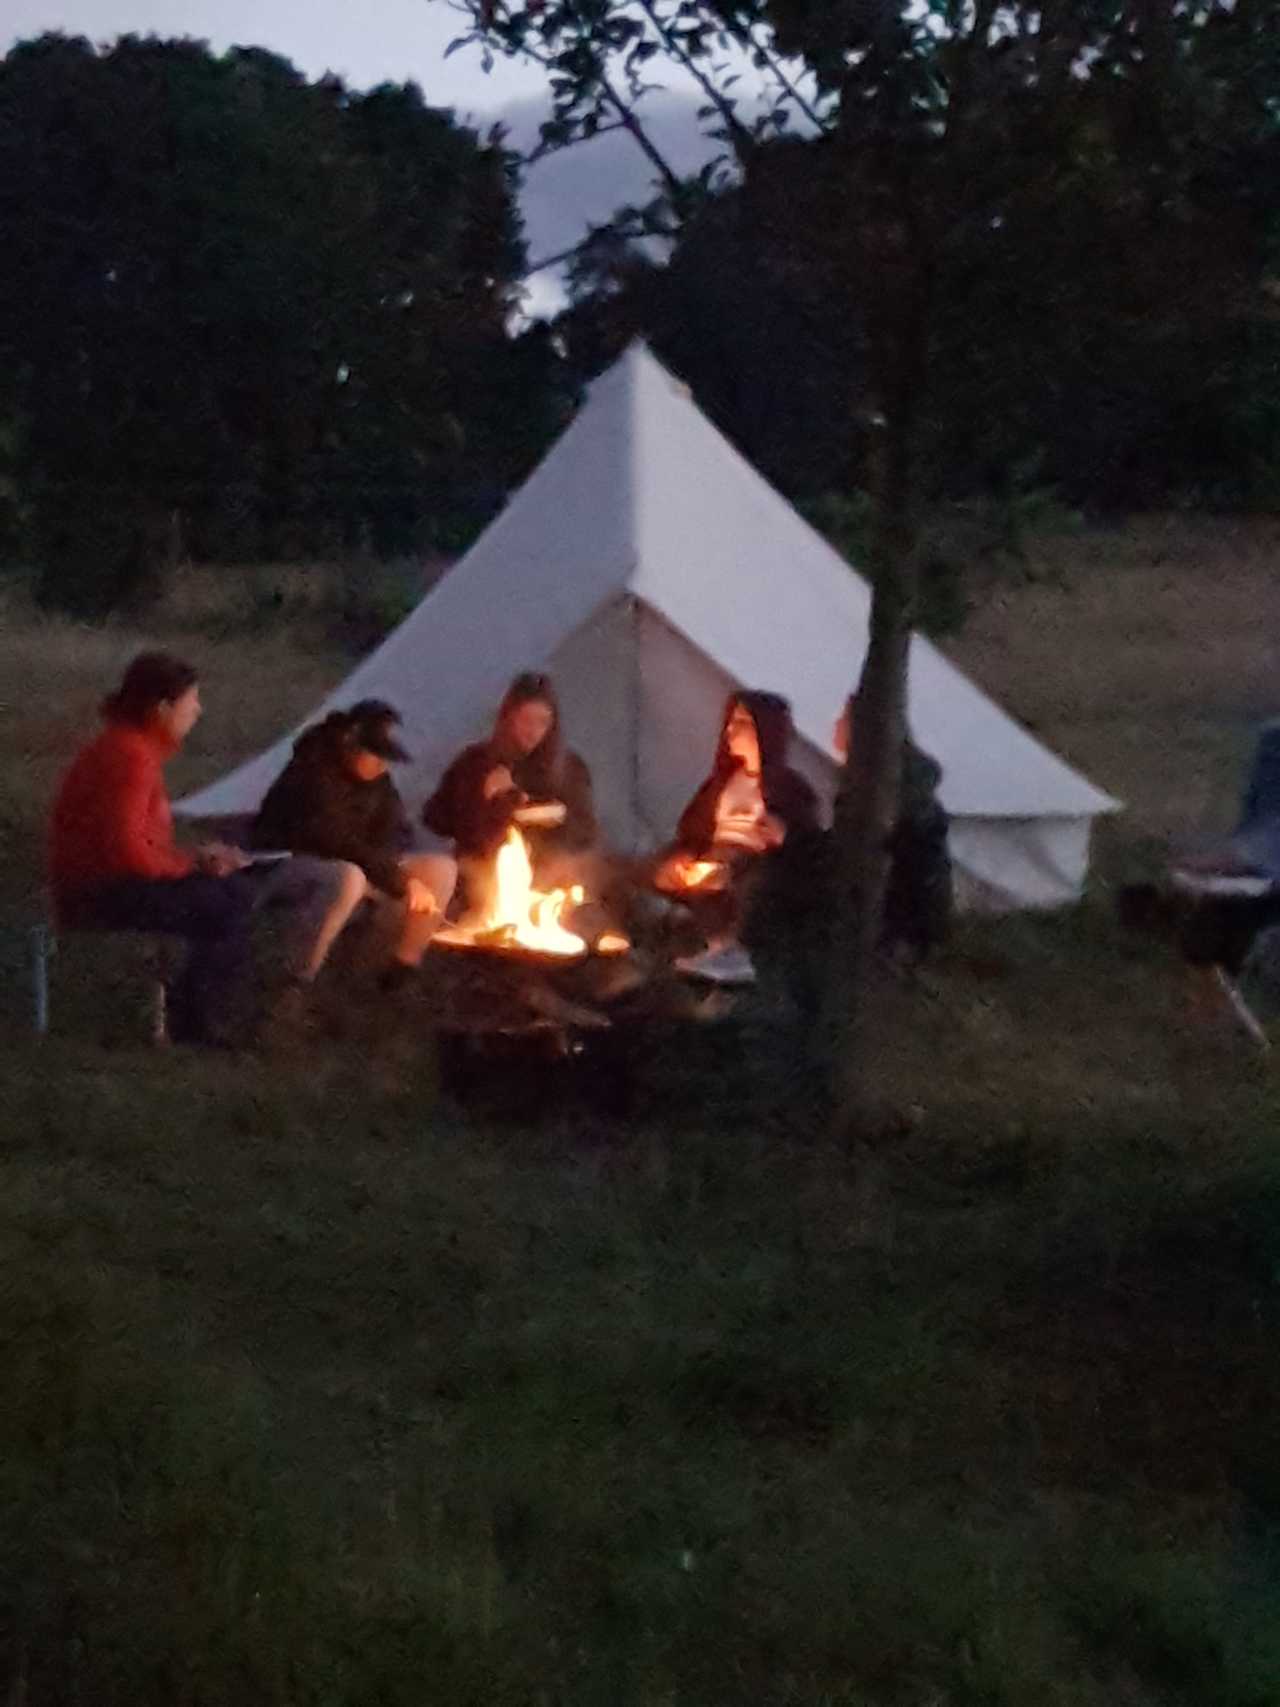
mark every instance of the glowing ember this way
{"type": "Point", "coordinates": [612, 942]}
{"type": "Point", "coordinates": [520, 915]}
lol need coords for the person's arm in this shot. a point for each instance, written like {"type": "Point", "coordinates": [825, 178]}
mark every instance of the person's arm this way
{"type": "Point", "coordinates": [399, 829]}
{"type": "Point", "coordinates": [383, 869]}
{"type": "Point", "coordinates": [441, 811]}
{"type": "Point", "coordinates": [299, 815]}
{"type": "Point", "coordinates": [696, 830]}
{"type": "Point", "coordinates": [579, 829]}
{"type": "Point", "coordinates": [461, 809]}
{"type": "Point", "coordinates": [270, 826]}
{"type": "Point", "coordinates": [798, 807]}
{"type": "Point", "coordinates": [129, 783]}
{"type": "Point", "coordinates": [386, 840]}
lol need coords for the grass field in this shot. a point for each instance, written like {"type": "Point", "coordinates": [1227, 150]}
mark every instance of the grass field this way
{"type": "Point", "coordinates": [323, 1391]}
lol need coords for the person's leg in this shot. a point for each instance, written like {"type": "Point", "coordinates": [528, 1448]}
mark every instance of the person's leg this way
{"type": "Point", "coordinates": [720, 912]}
{"type": "Point", "coordinates": [211, 913]}
{"type": "Point", "coordinates": [319, 895]}
{"type": "Point", "coordinates": [476, 886]}
{"type": "Point", "coordinates": [438, 872]}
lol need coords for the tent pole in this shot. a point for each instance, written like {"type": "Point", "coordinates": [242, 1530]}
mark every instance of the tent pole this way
{"type": "Point", "coordinates": [633, 713]}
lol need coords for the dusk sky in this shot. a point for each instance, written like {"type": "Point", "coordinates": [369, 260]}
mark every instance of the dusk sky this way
{"type": "Point", "coordinates": [398, 40]}
{"type": "Point", "coordinates": [385, 39]}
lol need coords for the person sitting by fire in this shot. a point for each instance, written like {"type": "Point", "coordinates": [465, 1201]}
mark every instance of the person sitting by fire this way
{"type": "Point", "coordinates": [522, 776]}
{"type": "Point", "coordinates": [114, 864]}
{"type": "Point", "coordinates": [336, 799]}
{"type": "Point", "coordinates": [919, 900]}
{"type": "Point", "coordinates": [751, 807]}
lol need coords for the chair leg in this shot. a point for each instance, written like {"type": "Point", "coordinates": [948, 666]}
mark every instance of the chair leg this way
{"type": "Point", "coordinates": [41, 948]}
{"type": "Point", "coordinates": [158, 1013]}
{"type": "Point", "coordinates": [1240, 1009]}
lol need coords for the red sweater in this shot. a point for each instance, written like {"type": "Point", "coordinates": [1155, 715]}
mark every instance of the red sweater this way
{"type": "Point", "coordinates": [112, 818]}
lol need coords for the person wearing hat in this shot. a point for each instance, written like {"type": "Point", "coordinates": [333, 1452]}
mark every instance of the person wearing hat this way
{"type": "Point", "coordinates": [336, 800]}
{"type": "Point", "coordinates": [114, 864]}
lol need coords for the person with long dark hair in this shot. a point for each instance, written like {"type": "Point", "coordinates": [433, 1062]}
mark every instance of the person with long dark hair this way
{"type": "Point", "coordinates": [522, 774]}
{"type": "Point", "coordinates": [114, 864]}
{"type": "Point", "coordinates": [752, 805]}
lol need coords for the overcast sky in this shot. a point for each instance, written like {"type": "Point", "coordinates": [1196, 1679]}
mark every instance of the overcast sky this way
{"type": "Point", "coordinates": [399, 40]}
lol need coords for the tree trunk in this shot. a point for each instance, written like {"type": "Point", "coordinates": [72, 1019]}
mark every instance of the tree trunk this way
{"type": "Point", "coordinates": [870, 783]}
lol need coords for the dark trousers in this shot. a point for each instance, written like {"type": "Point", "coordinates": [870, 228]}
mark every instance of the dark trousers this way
{"type": "Point", "coordinates": [211, 914]}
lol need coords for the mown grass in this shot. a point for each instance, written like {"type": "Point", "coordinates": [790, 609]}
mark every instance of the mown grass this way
{"type": "Point", "coordinates": [320, 1393]}
{"type": "Point", "coordinates": [322, 1390]}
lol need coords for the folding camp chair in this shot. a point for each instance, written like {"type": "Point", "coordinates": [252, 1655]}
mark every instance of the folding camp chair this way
{"type": "Point", "coordinates": [146, 961]}
{"type": "Point", "coordinates": [1227, 904]}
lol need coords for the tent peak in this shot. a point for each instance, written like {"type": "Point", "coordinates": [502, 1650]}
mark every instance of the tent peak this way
{"type": "Point", "coordinates": [639, 356]}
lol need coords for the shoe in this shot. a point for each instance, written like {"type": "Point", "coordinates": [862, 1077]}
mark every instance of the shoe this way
{"type": "Point", "coordinates": [729, 965]}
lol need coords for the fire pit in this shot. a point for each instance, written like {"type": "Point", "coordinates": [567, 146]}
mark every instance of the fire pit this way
{"type": "Point", "coordinates": [516, 964]}
{"type": "Point", "coordinates": [532, 1008]}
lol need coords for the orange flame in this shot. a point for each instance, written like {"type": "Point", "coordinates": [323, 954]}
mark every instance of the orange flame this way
{"type": "Point", "coordinates": [522, 916]}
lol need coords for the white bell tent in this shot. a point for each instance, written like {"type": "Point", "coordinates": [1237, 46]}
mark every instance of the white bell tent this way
{"type": "Point", "coordinates": [650, 570]}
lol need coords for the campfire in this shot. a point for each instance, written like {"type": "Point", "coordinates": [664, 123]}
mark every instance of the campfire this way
{"type": "Point", "coordinates": [523, 918]}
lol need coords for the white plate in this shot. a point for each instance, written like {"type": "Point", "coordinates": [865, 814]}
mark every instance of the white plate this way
{"type": "Point", "coordinates": [545, 816]}
{"type": "Point", "coordinates": [1222, 886]}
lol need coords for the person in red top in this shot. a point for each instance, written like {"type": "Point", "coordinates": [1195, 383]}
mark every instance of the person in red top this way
{"type": "Point", "coordinates": [113, 862]}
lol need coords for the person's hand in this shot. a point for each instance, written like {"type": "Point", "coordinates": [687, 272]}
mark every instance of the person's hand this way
{"type": "Point", "coordinates": [215, 859]}
{"type": "Point", "coordinates": [773, 830]}
{"type": "Point", "coordinates": [499, 781]}
{"type": "Point", "coordinates": [418, 897]}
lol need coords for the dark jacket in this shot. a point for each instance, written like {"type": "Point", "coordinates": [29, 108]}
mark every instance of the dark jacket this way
{"type": "Point", "coordinates": [919, 897]}
{"type": "Point", "coordinates": [458, 808]}
{"type": "Point", "coordinates": [316, 806]}
{"type": "Point", "coordinates": [786, 793]}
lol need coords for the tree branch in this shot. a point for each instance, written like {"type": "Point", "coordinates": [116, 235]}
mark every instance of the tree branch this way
{"type": "Point", "coordinates": [746, 40]}
{"type": "Point", "coordinates": [626, 118]}
{"type": "Point", "coordinates": [738, 133]}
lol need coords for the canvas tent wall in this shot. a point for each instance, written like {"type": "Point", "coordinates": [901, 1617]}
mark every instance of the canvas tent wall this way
{"type": "Point", "coordinates": [651, 570]}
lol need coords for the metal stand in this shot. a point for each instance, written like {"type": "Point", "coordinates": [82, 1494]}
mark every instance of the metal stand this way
{"type": "Point", "coordinates": [42, 945]}
{"type": "Point", "coordinates": [1240, 1009]}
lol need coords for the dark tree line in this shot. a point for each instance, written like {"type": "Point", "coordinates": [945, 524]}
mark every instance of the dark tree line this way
{"type": "Point", "coordinates": [245, 315]}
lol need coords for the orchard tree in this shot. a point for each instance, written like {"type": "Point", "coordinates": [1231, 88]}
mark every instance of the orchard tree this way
{"type": "Point", "coordinates": [934, 124]}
